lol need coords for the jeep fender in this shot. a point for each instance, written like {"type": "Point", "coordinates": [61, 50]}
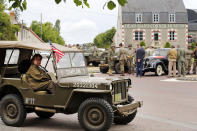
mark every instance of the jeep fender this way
{"type": "Point", "coordinates": [79, 95]}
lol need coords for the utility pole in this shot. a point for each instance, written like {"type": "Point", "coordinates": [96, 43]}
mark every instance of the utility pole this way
{"type": "Point", "coordinates": [41, 25]}
{"type": "Point", "coordinates": [22, 31]}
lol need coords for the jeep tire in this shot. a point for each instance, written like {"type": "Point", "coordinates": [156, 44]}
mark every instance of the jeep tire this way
{"type": "Point", "coordinates": [44, 115]}
{"type": "Point", "coordinates": [117, 68]}
{"type": "Point", "coordinates": [104, 69]}
{"type": "Point", "coordinates": [12, 110]}
{"type": "Point", "coordinates": [123, 120]}
{"type": "Point", "coordinates": [95, 114]}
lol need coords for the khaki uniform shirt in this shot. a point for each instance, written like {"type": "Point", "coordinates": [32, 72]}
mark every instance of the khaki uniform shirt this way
{"type": "Point", "coordinates": [172, 54]}
{"type": "Point", "coordinates": [111, 54]}
{"type": "Point", "coordinates": [122, 54]}
{"type": "Point", "coordinates": [36, 77]}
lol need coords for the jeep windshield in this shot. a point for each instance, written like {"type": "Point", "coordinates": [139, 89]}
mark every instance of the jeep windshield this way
{"type": "Point", "coordinates": [71, 64]}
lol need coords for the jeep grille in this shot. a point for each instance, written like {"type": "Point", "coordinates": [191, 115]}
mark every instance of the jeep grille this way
{"type": "Point", "coordinates": [120, 91]}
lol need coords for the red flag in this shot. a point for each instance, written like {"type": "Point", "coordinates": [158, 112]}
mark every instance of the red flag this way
{"type": "Point", "coordinates": [58, 53]}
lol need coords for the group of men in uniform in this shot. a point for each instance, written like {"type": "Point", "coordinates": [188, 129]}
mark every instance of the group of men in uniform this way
{"type": "Point", "coordinates": [124, 56]}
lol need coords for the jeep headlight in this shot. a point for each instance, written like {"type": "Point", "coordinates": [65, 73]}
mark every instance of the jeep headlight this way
{"type": "Point", "coordinates": [110, 87]}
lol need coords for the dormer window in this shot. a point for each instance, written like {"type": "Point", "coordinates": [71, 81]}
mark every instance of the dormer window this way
{"type": "Point", "coordinates": [138, 18]}
{"type": "Point", "coordinates": [172, 18]}
{"type": "Point", "coordinates": [155, 17]}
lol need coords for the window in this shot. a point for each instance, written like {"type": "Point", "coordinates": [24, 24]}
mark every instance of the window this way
{"type": "Point", "coordinates": [172, 35]}
{"type": "Point", "coordinates": [138, 18]}
{"type": "Point", "coordinates": [139, 35]}
{"type": "Point", "coordinates": [155, 17]}
{"type": "Point", "coordinates": [156, 36]}
{"type": "Point", "coordinates": [14, 57]}
{"type": "Point", "coordinates": [172, 18]}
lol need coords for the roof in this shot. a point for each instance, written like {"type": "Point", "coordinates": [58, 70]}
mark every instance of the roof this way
{"type": "Point", "coordinates": [192, 27]}
{"type": "Point", "coordinates": [35, 46]}
{"type": "Point", "coordinates": [192, 15]}
{"type": "Point", "coordinates": [154, 6]}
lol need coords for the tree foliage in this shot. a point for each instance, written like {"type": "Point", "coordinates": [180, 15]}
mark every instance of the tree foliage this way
{"type": "Point", "coordinates": [104, 40]}
{"type": "Point", "coordinates": [142, 44]}
{"type": "Point", "coordinates": [22, 4]}
{"type": "Point", "coordinates": [7, 30]}
{"type": "Point", "coordinates": [167, 45]}
{"type": "Point", "coordinates": [49, 32]}
{"type": "Point", "coordinates": [57, 25]}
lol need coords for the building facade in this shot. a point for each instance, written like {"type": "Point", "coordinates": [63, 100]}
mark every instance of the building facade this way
{"type": "Point", "coordinates": [153, 21]}
{"type": "Point", "coordinates": [24, 34]}
{"type": "Point", "coordinates": [192, 19]}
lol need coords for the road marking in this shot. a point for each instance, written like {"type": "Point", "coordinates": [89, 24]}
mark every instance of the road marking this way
{"type": "Point", "coordinates": [172, 122]}
{"type": "Point", "coordinates": [175, 80]}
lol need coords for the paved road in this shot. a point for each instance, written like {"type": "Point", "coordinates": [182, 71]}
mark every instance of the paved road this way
{"type": "Point", "coordinates": [168, 106]}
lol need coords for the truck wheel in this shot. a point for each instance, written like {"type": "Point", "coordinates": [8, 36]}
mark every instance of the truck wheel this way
{"type": "Point", "coordinates": [95, 64]}
{"type": "Point", "coordinates": [123, 120]}
{"type": "Point", "coordinates": [104, 70]}
{"type": "Point", "coordinates": [12, 110]}
{"type": "Point", "coordinates": [159, 70]}
{"type": "Point", "coordinates": [44, 115]}
{"type": "Point", "coordinates": [95, 114]}
{"type": "Point", "coordinates": [117, 68]}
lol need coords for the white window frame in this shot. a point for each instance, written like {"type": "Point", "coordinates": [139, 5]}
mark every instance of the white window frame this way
{"type": "Point", "coordinates": [172, 17]}
{"type": "Point", "coordinates": [138, 36]}
{"type": "Point", "coordinates": [139, 17]}
{"type": "Point", "coordinates": [156, 17]}
{"type": "Point", "coordinates": [172, 35]}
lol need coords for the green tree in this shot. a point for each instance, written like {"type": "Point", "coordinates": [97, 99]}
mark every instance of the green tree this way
{"type": "Point", "coordinates": [167, 45]}
{"type": "Point", "coordinates": [142, 44]}
{"type": "Point", "coordinates": [57, 25]}
{"type": "Point", "coordinates": [7, 30]}
{"type": "Point", "coordinates": [49, 32]}
{"type": "Point", "coordinates": [22, 4]}
{"type": "Point", "coordinates": [104, 40]}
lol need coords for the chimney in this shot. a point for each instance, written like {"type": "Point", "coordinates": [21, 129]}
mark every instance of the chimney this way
{"type": "Point", "coordinates": [13, 18]}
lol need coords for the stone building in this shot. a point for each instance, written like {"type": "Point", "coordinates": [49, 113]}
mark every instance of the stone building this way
{"type": "Point", "coordinates": [192, 19]}
{"type": "Point", "coordinates": [24, 34]}
{"type": "Point", "coordinates": [153, 21]}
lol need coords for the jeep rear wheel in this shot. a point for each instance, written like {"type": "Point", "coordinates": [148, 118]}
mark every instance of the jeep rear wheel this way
{"type": "Point", "coordinates": [44, 115]}
{"type": "Point", "coordinates": [12, 110]}
{"type": "Point", "coordinates": [159, 70]}
{"type": "Point", "coordinates": [123, 120]}
{"type": "Point", "coordinates": [95, 114]}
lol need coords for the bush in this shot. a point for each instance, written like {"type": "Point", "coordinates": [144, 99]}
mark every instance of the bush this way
{"type": "Point", "coordinates": [142, 44]}
{"type": "Point", "coordinates": [194, 45]}
{"type": "Point", "coordinates": [167, 45]}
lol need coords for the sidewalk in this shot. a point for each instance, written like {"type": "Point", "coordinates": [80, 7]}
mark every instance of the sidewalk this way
{"type": "Point", "coordinates": [188, 78]}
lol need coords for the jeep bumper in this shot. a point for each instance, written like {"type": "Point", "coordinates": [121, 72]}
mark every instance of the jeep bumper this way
{"type": "Point", "coordinates": [129, 108]}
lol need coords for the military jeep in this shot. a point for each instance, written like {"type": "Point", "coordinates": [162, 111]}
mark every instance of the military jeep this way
{"type": "Point", "coordinates": [98, 101]}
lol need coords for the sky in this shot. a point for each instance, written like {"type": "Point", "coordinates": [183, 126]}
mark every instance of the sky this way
{"type": "Point", "coordinates": [78, 25]}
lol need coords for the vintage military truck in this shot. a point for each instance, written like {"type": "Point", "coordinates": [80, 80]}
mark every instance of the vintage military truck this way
{"type": "Point", "coordinates": [104, 66]}
{"type": "Point", "coordinates": [93, 55]}
{"type": "Point", "coordinates": [98, 101]}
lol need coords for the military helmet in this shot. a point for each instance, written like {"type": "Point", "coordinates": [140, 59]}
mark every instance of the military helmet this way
{"type": "Point", "coordinates": [130, 45]}
{"type": "Point", "coordinates": [113, 45]}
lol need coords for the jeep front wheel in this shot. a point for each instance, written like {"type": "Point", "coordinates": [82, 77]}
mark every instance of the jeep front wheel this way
{"type": "Point", "coordinates": [95, 114]}
{"type": "Point", "coordinates": [104, 70]}
{"type": "Point", "coordinates": [44, 115]}
{"type": "Point", "coordinates": [12, 110]}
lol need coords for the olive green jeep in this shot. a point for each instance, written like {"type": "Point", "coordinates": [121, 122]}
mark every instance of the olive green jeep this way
{"type": "Point", "coordinates": [98, 101]}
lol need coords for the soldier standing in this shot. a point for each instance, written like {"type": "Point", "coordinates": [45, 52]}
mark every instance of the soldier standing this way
{"type": "Point", "coordinates": [130, 59]}
{"type": "Point", "coordinates": [172, 58]}
{"type": "Point", "coordinates": [188, 59]}
{"type": "Point", "coordinates": [111, 55]}
{"type": "Point", "coordinates": [195, 60]}
{"type": "Point", "coordinates": [122, 55]}
{"type": "Point", "coordinates": [181, 61]}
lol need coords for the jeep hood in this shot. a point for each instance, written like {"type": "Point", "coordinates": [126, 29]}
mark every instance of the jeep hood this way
{"type": "Point", "coordinates": [88, 79]}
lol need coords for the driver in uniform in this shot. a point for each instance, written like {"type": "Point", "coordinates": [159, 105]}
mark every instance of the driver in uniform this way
{"type": "Point", "coordinates": [37, 78]}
